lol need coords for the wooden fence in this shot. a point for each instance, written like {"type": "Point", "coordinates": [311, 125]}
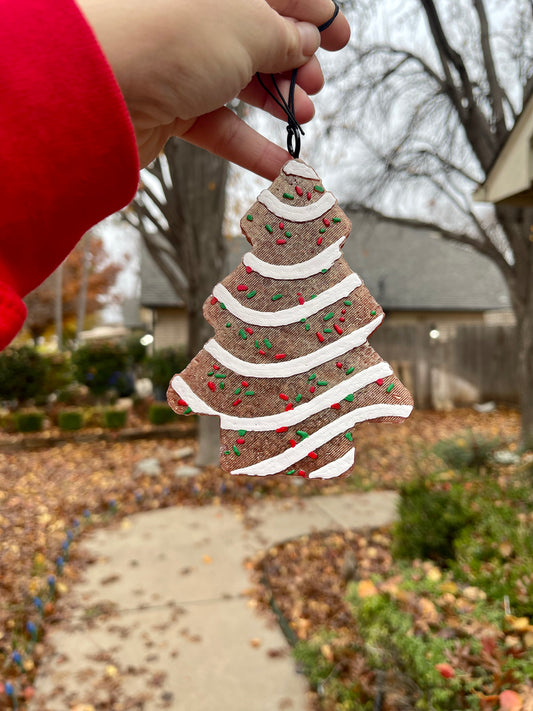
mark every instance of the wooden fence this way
{"type": "Point", "coordinates": [466, 364]}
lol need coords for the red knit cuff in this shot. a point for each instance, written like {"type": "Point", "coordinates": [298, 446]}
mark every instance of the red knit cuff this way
{"type": "Point", "coordinates": [12, 314]}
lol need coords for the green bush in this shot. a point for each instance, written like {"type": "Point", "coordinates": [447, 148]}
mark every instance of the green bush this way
{"type": "Point", "coordinates": [70, 419]}
{"type": "Point", "coordinates": [469, 451]}
{"type": "Point", "coordinates": [162, 365]}
{"type": "Point", "coordinates": [23, 374]}
{"type": "Point", "coordinates": [29, 421]}
{"type": "Point", "coordinates": [103, 367]}
{"type": "Point", "coordinates": [114, 419]}
{"type": "Point", "coordinates": [430, 520]}
{"type": "Point", "coordinates": [160, 414]}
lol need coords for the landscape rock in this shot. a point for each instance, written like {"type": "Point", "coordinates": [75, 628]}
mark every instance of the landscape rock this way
{"type": "Point", "coordinates": [147, 467]}
{"type": "Point", "coordinates": [187, 471]}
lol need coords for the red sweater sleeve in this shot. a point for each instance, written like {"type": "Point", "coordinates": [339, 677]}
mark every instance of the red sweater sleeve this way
{"type": "Point", "coordinates": [68, 155]}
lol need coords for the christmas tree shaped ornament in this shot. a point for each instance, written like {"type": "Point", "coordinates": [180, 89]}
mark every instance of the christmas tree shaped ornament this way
{"type": "Point", "coordinates": [290, 371]}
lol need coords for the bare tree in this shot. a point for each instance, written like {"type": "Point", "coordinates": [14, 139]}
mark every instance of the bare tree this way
{"type": "Point", "coordinates": [430, 95]}
{"type": "Point", "coordinates": [179, 213]}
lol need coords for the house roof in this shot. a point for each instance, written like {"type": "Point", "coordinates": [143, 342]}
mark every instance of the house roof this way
{"type": "Point", "coordinates": [404, 269]}
{"type": "Point", "coordinates": [510, 180]}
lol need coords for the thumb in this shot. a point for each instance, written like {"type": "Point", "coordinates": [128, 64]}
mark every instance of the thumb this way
{"type": "Point", "coordinates": [290, 45]}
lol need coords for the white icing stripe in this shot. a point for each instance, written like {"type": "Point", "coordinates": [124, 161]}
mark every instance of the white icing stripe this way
{"type": "Point", "coordinates": [286, 316]}
{"type": "Point", "coordinates": [290, 417]}
{"type": "Point", "coordinates": [336, 468]}
{"type": "Point", "coordinates": [290, 456]}
{"type": "Point", "coordinates": [301, 270]}
{"type": "Point", "coordinates": [284, 369]}
{"type": "Point", "coordinates": [294, 213]}
{"type": "Point", "coordinates": [301, 170]}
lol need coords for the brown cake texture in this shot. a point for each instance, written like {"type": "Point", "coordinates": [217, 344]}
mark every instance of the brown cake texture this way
{"type": "Point", "coordinates": [289, 371]}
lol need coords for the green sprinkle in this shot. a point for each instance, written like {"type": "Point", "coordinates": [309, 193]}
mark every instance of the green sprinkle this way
{"type": "Point", "coordinates": [350, 370]}
{"type": "Point", "coordinates": [250, 218]}
{"type": "Point", "coordinates": [242, 334]}
{"type": "Point", "coordinates": [319, 188]}
{"type": "Point", "coordinates": [276, 297]}
{"type": "Point", "coordinates": [313, 296]}
{"type": "Point", "coordinates": [211, 372]}
{"type": "Point", "coordinates": [237, 391]}
{"type": "Point", "coordinates": [323, 271]}
{"type": "Point", "coordinates": [321, 382]}
{"type": "Point", "coordinates": [227, 451]}
{"type": "Point", "coordinates": [336, 219]}
{"type": "Point", "coordinates": [222, 385]}
{"type": "Point", "coordinates": [222, 306]}
{"type": "Point", "coordinates": [186, 412]}
{"type": "Point", "coordinates": [322, 230]}
{"type": "Point", "coordinates": [288, 234]}
{"type": "Point", "coordinates": [348, 436]}
{"type": "Point", "coordinates": [252, 293]}
{"type": "Point", "coordinates": [328, 316]}
{"type": "Point", "coordinates": [228, 325]}
{"type": "Point", "coordinates": [288, 196]}
{"type": "Point", "coordinates": [347, 302]}
{"type": "Point", "coordinates": [269, 229]}
{"type": "Point", "coordinates": [307, 327]}
{"type": "Point", "coordinates": [349, 398]}
{"type": "Point", "coordinates": [390, 387]}
{"type": "Point", "coordinates": [235, 449]}
{"type": "Point", "coordinates": [302, 320]}
{"type": "Point", "coordinates": [302, 434]}
{"type": "Point", "coordinates": [220, 375]}
{"type": "Point", "coordinates": [249, 392]}
{"type": "Point", "coordinates": [311, 377]}
{"type": "Point", "coordinates": [291, 471]}
{"type": "Point", "coordinates": [328, 330]}
{"type": "Point", "coordinates": [242, 433]}
{"type": "Point", "coordinates": [372, 313]}
{"type": "Point", "coordinates": [256, 343]}
{"type": "Point", "coordinates": [298, 398]}
{"type": "Point", "coordinates": [267, 343]}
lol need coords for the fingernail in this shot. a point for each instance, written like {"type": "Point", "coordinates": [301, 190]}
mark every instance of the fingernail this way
{"type": "Point", "coordinates": [309, 37]}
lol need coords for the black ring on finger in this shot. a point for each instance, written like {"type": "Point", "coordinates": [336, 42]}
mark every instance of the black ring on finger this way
{"type": "Point", "coordinates": [329, 22]}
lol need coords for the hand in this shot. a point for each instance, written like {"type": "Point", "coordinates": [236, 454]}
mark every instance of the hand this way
{"type": "Point", "coordinates": [179, 62]}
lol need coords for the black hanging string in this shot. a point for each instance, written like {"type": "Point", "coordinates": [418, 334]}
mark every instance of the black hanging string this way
{"type": "Point", "coordinates": [294, 130]}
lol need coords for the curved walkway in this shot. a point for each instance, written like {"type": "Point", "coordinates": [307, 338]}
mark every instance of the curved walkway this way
{"type": "Point", "coordinates": [162, 620]}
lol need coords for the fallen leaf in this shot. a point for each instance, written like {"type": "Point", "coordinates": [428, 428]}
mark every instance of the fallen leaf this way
{"type": "Point", "coordinates": [510, 701]}
{"type": "Point", "coordinates": [445, 670]}
{"type": "Point", "coordinates": [366, 588]}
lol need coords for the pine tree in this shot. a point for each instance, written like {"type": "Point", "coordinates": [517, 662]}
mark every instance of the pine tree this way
{"type": "Point", "coordinates": [290, 371]}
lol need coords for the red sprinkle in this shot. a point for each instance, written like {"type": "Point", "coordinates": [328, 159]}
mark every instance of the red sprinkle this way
{"type": "Point", "coordinates": [281, 225]}
{"type": "Point", "coordinates": [309, 196]}
{"type": "Point", "coordinates": [293, 443]}
{"type": "Point", "coordinates": [379, 381]}
{"type": "Point", "coordinates": [339, 365]}
{"type": "Point", "coordinates": [313, 455]}
{"type": "Point", "coordinates": [244, 384]}
{"type": "Point", "coordinates": [281, 241]}
{"type": "Point", "coordinates": [326, 222]}
{"type": "Point", "coordinates": [249, 270]}
{"type": "Point", "coordinates": [261, 352]}
{"type": "Point", "coordinates": [242, 287]}
{"type": "Point", "coordinates": [280, 356]}
{"type": "Point", "coordinates": [282, 429]}
{"type": "Point", "coordinates": [312, 389]}
{"type": "Point", "coordinates": [302, 473]}
{"type": "Point", "coordinates": [216, 367]}
{"type": "Point", "coordinates": [283, 396]}
{"type": "Point", "coordinates": [212, 386]}
{"type": "Point", "coordinates": [301, 299]}
{"type": "Point", "coordinates": [319, 241]}
{"type": "Point", "coordinates": [320, 337]}
{"type": "Point", "coordinates": [288, 407]}
{"type": "Point", "coordinates": [337, 328]}
{"type": "Point", "coordinates": [343, 311]}
{"type": "Point", "coordinates": [299, 190]}
{"type": "Point", "coordinates": [214, 300]}
{"type": "Point", "coordinates": [182, 403]}
{"type": "Point", "coordinates": [336, 406]}
{"type": "Point", "coordinates": [240, 441]}
{"type": "Point", "coordinates": [249, 330]}
{"type": "Point", "coordinates": [237, 401]}
{"type": "Point", "coordinates": [342, 319]}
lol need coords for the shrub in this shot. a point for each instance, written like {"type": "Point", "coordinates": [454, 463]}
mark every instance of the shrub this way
{"type": "Point", "coordinates": [114, 419]}
{"type": "Point", "coordinates": [103, 367]}
{"type": "Point", "coordinates": [160, 414]}
{"type": "Point", "coordinates": [430, 521]}
{"type": "Point", "coordinates": [23, 374]}
{"type": "Point", "coordinates": [162, 365]}
{"type": "Point", "coordinates": [470, 451]}
{"type": "Point", "coordinates": [29, 421]}
{"type": "Point", "coordinates": [70, 420]}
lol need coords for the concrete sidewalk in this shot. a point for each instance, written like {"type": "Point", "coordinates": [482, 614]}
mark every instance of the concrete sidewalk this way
{"type": "Point", "coordinates": [179, 632]}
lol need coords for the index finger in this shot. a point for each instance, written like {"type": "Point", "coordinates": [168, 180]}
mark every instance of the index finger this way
{"type": "Point", "coordinates": [317, 12]}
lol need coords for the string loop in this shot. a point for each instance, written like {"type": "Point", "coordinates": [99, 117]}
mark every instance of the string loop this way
{"type": "Point", "coordinates": [287, 105]}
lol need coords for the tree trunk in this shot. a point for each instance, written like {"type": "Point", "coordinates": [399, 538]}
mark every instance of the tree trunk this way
{"type": "Point", "coordinates": [59, 307]}
{"type": "Point", "coordinates": [525, 373]}
{"type": "Point", "coordinates": [82, 299]}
